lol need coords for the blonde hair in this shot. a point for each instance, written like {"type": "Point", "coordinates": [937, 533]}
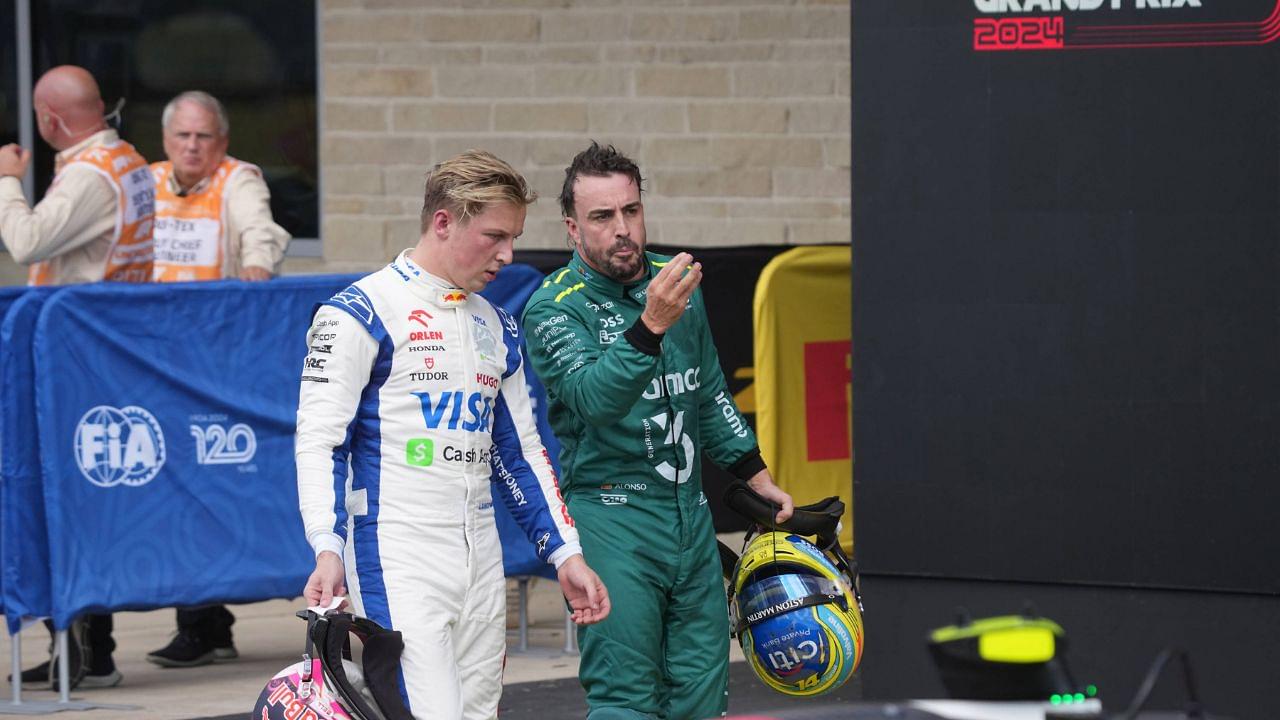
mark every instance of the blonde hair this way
{"type": "Point", "coordinates": [471, 182]}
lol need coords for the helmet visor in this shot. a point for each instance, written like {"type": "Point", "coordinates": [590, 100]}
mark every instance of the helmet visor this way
{"type": "Point", "coordinates": [772, 596]}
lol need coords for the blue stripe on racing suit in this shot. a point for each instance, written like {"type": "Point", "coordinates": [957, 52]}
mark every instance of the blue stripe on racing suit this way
{"type": "Point", "coordinates": [510, 338]}
{"type": "Point", "coordinates": [367, 437]}
{"type": "Point", "coordinates": [519, 486]}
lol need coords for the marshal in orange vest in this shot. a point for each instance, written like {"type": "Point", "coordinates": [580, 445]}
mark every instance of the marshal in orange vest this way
{"type": "Point", "coordinates": [131, 254]}
{"type": "Point", "coordinates": [191, 235]}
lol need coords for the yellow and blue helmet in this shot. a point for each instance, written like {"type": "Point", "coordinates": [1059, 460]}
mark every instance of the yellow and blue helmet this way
{"type": "Point", "coordinates": [796, 616]}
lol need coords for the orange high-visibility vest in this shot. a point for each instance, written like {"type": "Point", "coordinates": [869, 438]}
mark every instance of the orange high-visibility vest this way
{"type": "Point", "coordinates": [191, 231]}
{"type": "Point", "coordinates": [132, 253]}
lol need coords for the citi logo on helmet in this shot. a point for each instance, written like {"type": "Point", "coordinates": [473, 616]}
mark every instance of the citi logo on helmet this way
{"type": "Point", "coordinates": [793, 656]}
{"type": "Point", "coordinates": [479, 410]}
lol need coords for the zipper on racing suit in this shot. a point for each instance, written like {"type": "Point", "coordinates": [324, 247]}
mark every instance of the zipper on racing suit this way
{"type": "Point", "coordinates": [665, 394]}
{"type": "Point", "coordinates": [467, 358]}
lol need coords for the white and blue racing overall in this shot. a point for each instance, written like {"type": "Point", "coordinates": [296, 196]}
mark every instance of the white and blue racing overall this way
{"type": "Point", "coordinates": [413, 395]}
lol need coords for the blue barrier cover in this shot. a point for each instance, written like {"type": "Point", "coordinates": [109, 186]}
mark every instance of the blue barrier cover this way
{"type": "Point", "coordinates": [8, 296]}
{"type": "Point", "coordinates": [168, 415]}
{"type": "Point", "coordinates": [24, 541]}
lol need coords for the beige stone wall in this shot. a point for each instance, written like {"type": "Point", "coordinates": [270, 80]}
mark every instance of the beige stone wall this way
{"type": "Point", "coordinates": [737, 111]}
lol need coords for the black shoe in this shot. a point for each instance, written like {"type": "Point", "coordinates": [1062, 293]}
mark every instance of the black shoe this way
{"type": "Point", "coordinates": [225, 652]}
{"type": "Point", "coordinates": [109, 678]}
{"type": "Point", "coordinates": [77, 655]}
{"type": "Point", "coordinates": [185, 650]}
{"type": "Point", "coordinates": [38, 675]}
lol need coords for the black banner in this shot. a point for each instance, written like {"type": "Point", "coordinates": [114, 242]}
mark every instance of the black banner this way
{"type": "Point", "coordinates": [1065, 292]}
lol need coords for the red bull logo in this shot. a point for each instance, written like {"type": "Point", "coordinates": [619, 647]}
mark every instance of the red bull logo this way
{"type": "Point", "coordinates": [452, 297]}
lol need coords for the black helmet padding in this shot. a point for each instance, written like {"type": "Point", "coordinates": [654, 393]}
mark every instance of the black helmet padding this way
{"type": "Point", "coordinates": [381, 660]}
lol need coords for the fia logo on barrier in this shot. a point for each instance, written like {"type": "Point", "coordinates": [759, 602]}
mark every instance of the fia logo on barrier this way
{"type": "Point", "coordinates": [119, 446]}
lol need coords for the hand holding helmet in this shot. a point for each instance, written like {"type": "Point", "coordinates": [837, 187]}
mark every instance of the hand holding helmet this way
{"type": "Point", "coordinates": [327, 581]}
{"type": "Point", "coordinates": [796, 608]}
{"type": "Point", "coordinates": [325, 685]}
{"type": "Point", "coordinates": [762, 484]}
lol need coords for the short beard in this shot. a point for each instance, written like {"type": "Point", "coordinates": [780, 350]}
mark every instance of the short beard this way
{"type": "Point", "coordinates": [611, 267]}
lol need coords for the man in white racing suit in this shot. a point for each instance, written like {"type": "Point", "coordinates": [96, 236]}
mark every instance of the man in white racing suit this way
{"type": "Point", "coordinates": [412, 396]}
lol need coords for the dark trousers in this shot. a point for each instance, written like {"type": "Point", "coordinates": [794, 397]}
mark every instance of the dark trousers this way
{"type": "Point", "coordinates": [211, 623]}
{"type": "Point", "coordinates": [98, 640]}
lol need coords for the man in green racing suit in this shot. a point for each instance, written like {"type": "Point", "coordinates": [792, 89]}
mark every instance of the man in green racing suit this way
{"type": "Point", "coordinates": [620, 338]}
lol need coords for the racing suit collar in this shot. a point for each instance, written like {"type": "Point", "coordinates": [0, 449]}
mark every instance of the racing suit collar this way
{"type": "Point", "coordinates": [615, 289]}
{"type": "Point", "coordinates": [432, 288]}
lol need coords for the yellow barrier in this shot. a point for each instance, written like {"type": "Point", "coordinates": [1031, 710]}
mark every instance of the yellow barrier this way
{"type": "Point", "coordinates": [802, 387]}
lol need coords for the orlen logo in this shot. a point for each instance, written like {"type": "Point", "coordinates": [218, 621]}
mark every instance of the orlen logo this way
{"type": "Point", "coordinates": [123, 446]}
{"type": "Point", "coordinates": [479, 410]}
{"type": "Point", "coordinates": [216, 445]}
{"type": "Point", "coordinates": [421, 317]}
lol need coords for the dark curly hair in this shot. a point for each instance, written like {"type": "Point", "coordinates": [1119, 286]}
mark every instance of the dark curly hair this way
{"type": "Point", "coordinates": [600, 162]}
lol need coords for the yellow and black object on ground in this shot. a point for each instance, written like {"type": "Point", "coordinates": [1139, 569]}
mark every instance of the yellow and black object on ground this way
{"type": "Point", "coordinates": [1010, 657]}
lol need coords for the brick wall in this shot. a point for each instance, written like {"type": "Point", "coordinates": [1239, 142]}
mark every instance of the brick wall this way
{"type": "Point", "coordinates": [737, 111]}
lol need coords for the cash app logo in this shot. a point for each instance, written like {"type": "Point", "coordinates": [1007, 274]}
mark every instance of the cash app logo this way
{"type": "Point", "coordinates": [419, 452]}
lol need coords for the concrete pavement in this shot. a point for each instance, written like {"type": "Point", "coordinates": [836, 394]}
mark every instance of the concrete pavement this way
{"type": "Point", "coordinates": [269, 638]}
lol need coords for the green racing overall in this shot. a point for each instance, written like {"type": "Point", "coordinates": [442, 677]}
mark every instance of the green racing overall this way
{"type": "Point", "coordinates": [633, 411]}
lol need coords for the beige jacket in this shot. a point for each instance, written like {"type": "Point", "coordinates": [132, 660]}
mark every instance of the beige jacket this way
{"type": "Point", "coordinates": [75, 222]}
